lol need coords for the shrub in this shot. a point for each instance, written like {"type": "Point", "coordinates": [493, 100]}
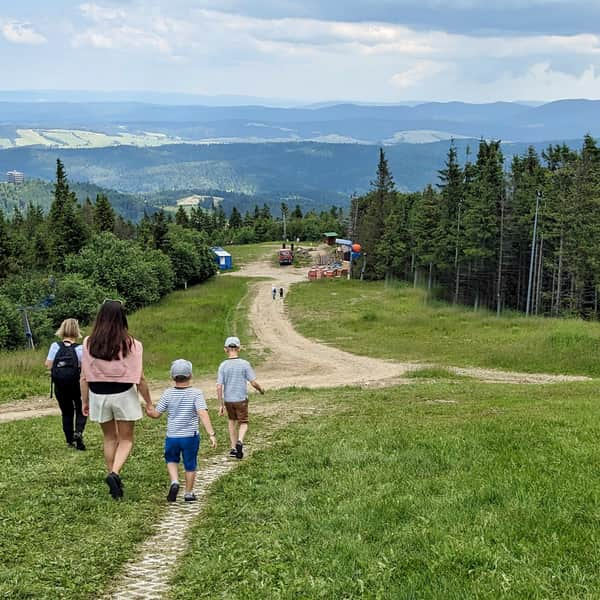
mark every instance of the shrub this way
{"type": "Point", "coordinates": [78, 298]}
{"type": "Point", "coordinates": [139, 277]}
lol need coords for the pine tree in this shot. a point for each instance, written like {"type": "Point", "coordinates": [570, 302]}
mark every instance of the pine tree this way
{"type": "Point", "coordinates": [483, 203]}
{"type": "Point", "coordinates": [452, 188]}
{"type": "Point", "coordinates": [372, 225]}
{"type": "Point", "coordinates": [104, 215]}
{"type": "Point", "coordinates": [66, 231]}
{"type": "Point", "coordinates": [4, 246]}
{"type": "Point", "coordinates": [160, 228]}
{"type": "Point", "coordinates": [182, 218]}
{"type": "Point", "coordinates": [425, 228]}
{"type": "Point", "coordinates": [235, 219]}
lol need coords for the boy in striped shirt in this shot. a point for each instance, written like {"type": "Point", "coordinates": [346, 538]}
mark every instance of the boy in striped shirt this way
{"type": "Point", "coordinates": [183, 405]}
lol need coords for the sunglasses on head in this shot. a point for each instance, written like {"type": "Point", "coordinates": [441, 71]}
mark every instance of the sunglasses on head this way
{"type": "Point", "coordinates": [111, 300]}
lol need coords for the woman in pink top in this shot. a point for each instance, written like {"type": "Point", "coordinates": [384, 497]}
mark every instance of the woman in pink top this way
{"type": "Point", "coordinates": [111, 368]}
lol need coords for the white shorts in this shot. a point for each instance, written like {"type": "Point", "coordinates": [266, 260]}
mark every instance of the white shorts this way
{"type": "Point", "coordinates": [124, 406]}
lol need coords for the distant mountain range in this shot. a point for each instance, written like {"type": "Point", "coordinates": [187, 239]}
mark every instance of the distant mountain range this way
{"type": "Point", "coordinates": [317, 155]}
{"type": "Point", "coordinates": [95, 124]}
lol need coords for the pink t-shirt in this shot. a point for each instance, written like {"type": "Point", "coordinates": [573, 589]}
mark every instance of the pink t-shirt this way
{"type": "Point", "coordinates": [123, 370]}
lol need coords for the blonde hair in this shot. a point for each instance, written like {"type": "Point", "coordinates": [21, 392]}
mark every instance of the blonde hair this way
{"type": "Point", "coordinates": [69, 328]}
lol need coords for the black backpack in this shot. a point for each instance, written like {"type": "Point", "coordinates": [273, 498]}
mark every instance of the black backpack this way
{"type": "Point", "coordinates": [65, 367]}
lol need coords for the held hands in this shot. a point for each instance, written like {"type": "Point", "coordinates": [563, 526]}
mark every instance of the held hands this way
{"type": "Point", "coordinates": [152, 412]}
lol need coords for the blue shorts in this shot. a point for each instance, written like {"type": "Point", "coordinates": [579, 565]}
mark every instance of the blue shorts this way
{"type": "Point", "coordinates": [188, 446]}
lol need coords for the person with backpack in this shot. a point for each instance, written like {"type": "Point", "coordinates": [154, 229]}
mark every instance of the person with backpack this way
{"type": "Point", "coordinates": [64, 364]}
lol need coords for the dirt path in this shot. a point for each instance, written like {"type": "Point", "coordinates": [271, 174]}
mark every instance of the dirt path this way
{"type": "Point", "coordinates": [294, 360]}
{"type": "Point", "coordinates": [147, 576]}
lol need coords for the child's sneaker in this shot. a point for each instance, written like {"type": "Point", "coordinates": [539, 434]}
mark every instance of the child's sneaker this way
{"type": "Point", "coordinates": [190, 497]}
{"type": "Point", "coordinates": [173, 491]}
{"type": "Point", "coordinates": [239, 450]}
{"type": "Point", "coordinates": [233, 453]}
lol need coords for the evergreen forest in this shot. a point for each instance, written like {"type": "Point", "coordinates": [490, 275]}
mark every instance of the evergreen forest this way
{"type": "Point", "coordinates": [523, 236]}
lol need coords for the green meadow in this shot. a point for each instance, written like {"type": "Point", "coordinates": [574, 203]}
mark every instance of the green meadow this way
{"type": "Point", "coordinates": [451, 490]}
{"type": "Point", "coordinates": [441, 488]}
{"type": "Point", "coordinates": [189, 323]}
{"type": "Point", "coordinates": [420, 491]}
{"type": "Point", "coordinates": [398, 322]}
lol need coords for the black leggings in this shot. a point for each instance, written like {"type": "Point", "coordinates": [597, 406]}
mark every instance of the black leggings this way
{"type": "Point", "coordinates": [69, 399]}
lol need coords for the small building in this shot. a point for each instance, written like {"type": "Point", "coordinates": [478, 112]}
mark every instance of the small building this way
{"type": "Point", "coordinates": [222, 258]}
{"type": "Point", "coordinates": [329, 237]}
{"type": "Point", "coordinates": [15, 177]}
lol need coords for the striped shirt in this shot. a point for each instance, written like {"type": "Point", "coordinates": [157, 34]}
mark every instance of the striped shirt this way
{"type": "Point", "coordinates": [233, 375]}
{"type": "Point", "coordinates": [182, 406]}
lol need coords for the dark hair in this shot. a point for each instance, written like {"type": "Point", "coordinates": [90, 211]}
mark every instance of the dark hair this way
{"type": "Point", "coordinates": [110, 337]}
{"type": "Point", "coordinates": [182, 378]}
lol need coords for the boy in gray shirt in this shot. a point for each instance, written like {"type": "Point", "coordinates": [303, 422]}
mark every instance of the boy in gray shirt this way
{"type": "Point", "coordinates": [232, 378]}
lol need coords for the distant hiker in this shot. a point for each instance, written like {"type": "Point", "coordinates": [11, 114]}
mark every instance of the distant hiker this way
{"type": "Point", "coordinates": [183, 405]}
{"type": "Point", "coordinates": [281, 293]}
{"type": "Point", "coordinates": [274, 292]}
{"type": "Point", "coordinates": [111, 369]}
{"type": "Point", "coordinates": [64, 363]}
{"type": "Point", "coordinates": [232, 392]}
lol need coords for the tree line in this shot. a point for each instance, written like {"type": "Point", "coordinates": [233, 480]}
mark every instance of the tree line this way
{"type": "Point", "coordinates": [64, 263]}
{"type": "Point", "coordinates": [523, 236]}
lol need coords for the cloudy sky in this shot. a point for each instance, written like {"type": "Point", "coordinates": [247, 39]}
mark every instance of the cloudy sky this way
{"type": "Point", "coordinates": [307, 50]}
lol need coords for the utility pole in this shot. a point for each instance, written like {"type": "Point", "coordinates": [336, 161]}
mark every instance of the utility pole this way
{"type": "Point", "coordinates": [532, 259]}
{"type": "Point", "coordinates": [500, 258]}
{"type": "Point", "coordinates": [284, 227]}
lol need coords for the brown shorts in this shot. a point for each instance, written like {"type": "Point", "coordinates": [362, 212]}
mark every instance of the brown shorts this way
{"type": "Point", "coordinates": [237, 411]}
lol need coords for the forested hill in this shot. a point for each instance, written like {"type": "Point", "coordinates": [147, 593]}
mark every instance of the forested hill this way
{"type": "Point", "coordinates": [327, 173]}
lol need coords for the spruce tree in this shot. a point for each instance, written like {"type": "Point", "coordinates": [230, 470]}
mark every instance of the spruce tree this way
{"type": "Point", "coordinates": [104, 215]}
{"type": "Point", "coordinates": [372, 225]}
{"type": "Point", "coordinates": [66, 231]}
{"type": "Point", "coordinates": [235, 219]}
{"type": "Point", "coordinates": [182, 218]}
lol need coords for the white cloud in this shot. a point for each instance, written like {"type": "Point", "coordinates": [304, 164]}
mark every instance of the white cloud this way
{"type": "Point", "coordinates": [121, 37]}
{"type": "Point", "coordinates": [417, 73]}
{"type": "Point", "coordinates": [313, 58]}
{"type": "Point", "coordinates": [101, 13]}
{"type": "Point", "coordinates": [21, 33]}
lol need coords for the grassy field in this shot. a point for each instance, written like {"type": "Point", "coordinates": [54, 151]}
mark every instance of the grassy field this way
{"type": "Point", "coordinates": [452, 489]}
{"type": "Point", "coordinates": [426, 491]}
{"type": "Point", "coordinates": [396, 322]}
{"type": "Point", "coordinates": [191, 324]}
{"type": "Point", "coordinates": [246, 253]}
{"type": "Point", "coordinates": [62, 534]}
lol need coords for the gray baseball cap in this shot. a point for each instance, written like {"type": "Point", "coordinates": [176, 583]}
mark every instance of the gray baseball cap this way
{"type": "Point", "coordinates": [181, 368]}
{"type": "Point", "coordinates": [232, 341]}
